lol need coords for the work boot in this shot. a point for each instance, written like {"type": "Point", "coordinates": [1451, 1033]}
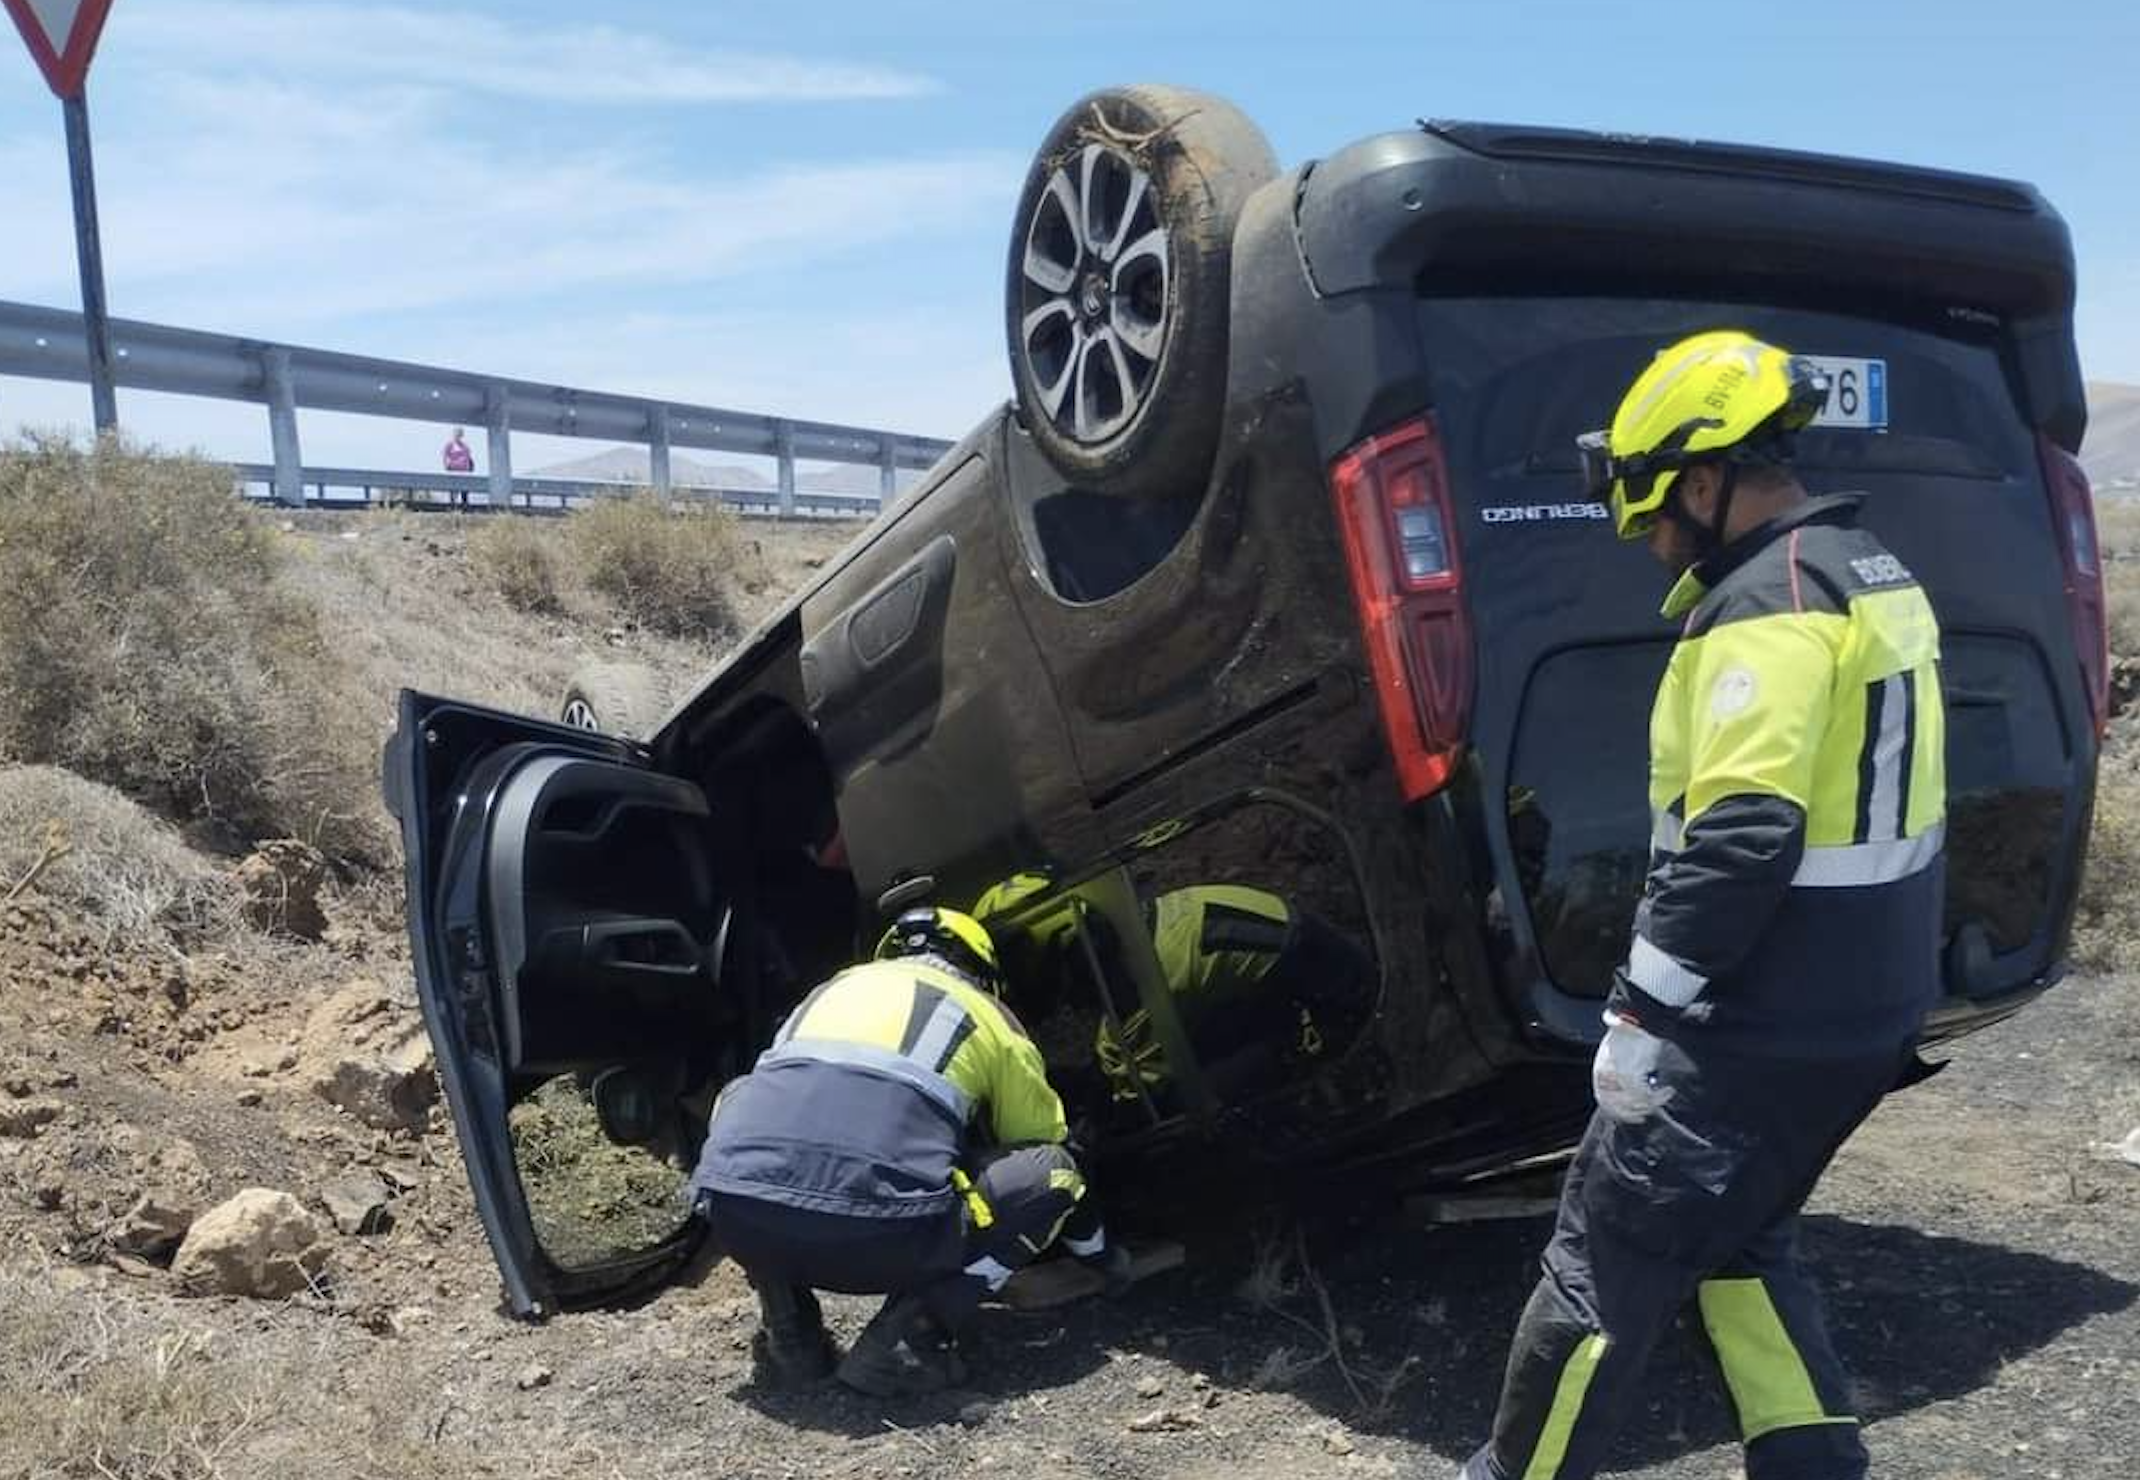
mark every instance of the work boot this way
{"type": "Point", "coordinates": [903, 1351]}
{"type": "Point", "coordinates": [791, 1347]}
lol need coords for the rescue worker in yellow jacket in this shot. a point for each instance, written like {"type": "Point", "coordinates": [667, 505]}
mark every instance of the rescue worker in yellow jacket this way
{"type": "Point", "coordinates": [1262, 990]}
{"type": "Point", "coordinates": [898, 1137]}
{"type": "Point", "coordinates": [1786, 947]}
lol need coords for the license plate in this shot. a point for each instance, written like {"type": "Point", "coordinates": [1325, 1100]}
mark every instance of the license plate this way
{"type": "Point", "coordinates": [1857, 393]}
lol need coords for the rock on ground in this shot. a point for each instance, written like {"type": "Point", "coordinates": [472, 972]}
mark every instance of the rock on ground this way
{"type": "Point", "coordinates": [281, 882]}
{"type": "Point", "coordinates": [154, 1226]}
{"type": "Point", "coordinates": [260, 1243]}
{"type": "Point", "coordinates": [25, 1118]}
{"type": "Point", "coordinates": [357, 1203]}
{"type": "Point", "coordinates": [367, 1054]}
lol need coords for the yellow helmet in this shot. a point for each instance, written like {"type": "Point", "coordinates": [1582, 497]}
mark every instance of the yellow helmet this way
{"type": "Point", "coordinates": [1719, 396]}
{"type": "Point", "coordinates": [930, 930]}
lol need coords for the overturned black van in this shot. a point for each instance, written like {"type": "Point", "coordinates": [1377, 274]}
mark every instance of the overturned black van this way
{"type": "Point", "coordinates": [1272, 599]}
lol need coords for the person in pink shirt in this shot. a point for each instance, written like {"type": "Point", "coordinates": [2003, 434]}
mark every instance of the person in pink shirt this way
{"type": "Point", "coordinates": [458, 458]}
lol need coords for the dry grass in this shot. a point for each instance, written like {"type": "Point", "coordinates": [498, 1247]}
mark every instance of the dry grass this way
{"type": "Point", "coordinates": [88, 1388]}
{"type": "Point", "coordinates": [106, 858]}
{"type": "Point", "coordinates": [521, 560]}
{"type": "Point", "coordinates": [2106, 928]}
{"type": "Point", "coordinates": [98, 1383]}
{"type": "Point", "coordinates": [674, 572]}
{"type": "Point", "coordinates": [2117, 528]}
{"type": "Point", "coordinates": [148, 641]}
{"type": "Point", "coordinates": [2121, 596]}
{"type": "Point", "coordinates": [1280, 1275]}
{"type": "Point", "coordinates": [420, 614]}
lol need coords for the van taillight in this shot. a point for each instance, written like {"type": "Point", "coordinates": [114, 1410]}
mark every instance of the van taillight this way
{"type": "Point", "coordinates": [2073, 511]}
{"type": "Point", "coordinates": [1399, 528]}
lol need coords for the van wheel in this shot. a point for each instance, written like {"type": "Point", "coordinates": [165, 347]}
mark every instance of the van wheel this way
{"type": "Point", "coordinates": [1117, 288]}
{"type": "Point", "coordinates": [627, 699]}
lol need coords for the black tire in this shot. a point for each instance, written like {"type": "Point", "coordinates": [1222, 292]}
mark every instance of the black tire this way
{"type": "Point", "coordinates": [1091, 307]}
{"type": "Point", "coordinates": [627, 699]}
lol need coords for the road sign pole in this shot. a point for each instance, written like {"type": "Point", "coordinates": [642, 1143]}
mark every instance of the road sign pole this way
{"type": "Point", "coordinates": [82, 174]}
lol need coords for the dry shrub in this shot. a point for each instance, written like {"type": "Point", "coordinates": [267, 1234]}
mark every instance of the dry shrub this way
{"type": "Point", "coordinates": [2121, 598]}
{"type": "Point", "coordinates": [103, 1384]}
{"type": "Point", "coordinates": [2117, 527]}
{"type": "Point", "coordinates": [149, 641]}
{"type": "Point", "coordinates": [91, 1388]}
{"type": "Point", "coordinates": [107, 859]}
{"type": "Point", "coordinates": [2106, 928]}
{"type": "Point", "coordinates": [673, 572]}
{"type": "Point", "coordinates": [519, 559]}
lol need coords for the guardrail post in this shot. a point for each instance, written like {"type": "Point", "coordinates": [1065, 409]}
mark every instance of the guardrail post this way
{"type": "Point", "coordinates": [289, 486]}
{"type": "Point", "coordinates": [784, 446]}
{"type": "Point", "coordinates": [657, 450]}
{"type": "Point", "coordinates": [498, 418]}
{"type": "Point", "coordinates": [887, 471]}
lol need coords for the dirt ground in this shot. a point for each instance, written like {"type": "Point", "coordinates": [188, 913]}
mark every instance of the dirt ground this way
{"type": "Point", "coordinates": [1982, 1262]}
{"type": "Point", "coordinates": [1982, 1266]}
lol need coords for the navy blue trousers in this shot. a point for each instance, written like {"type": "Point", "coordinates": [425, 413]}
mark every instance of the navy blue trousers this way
{"type": "Point", "coordinates": [1698, 1202]}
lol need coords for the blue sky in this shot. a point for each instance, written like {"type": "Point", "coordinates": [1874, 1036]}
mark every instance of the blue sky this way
{"type": "Point", "coordinates": [803, 208]}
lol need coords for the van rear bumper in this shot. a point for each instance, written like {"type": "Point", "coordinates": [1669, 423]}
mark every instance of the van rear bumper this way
{"type": "Point", "coordinates": [1471, 208]}
{"type": "Point", "coordinates": [1957, 1017]}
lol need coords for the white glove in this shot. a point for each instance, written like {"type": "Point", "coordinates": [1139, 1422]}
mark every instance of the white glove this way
{"type": "Point", "coordinates": [1623, 1076]}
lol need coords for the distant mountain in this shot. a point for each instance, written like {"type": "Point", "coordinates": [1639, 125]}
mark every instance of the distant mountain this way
{"type": "Point", "coordinates": [861, 479]}
{"type": "Point", "coordinates": [629, 465]}
{"type": "Point", "coordinates": [2111, 451]}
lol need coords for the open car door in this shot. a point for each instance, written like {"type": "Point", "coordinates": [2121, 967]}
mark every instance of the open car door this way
{"type": "Point", "coordinates": [569, 923]}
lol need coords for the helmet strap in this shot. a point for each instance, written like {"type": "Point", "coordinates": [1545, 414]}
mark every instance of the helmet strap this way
{"type": "Point", "coordinates": [1724, 492]}
{"type": "Point", "coordinates": [1708, 538]}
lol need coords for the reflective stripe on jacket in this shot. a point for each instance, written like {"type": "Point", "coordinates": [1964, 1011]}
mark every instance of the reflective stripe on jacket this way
{"type": "Point", "coordinates": [870, 1091]}
{"type": "Point", "coordinates": [1798, 777]}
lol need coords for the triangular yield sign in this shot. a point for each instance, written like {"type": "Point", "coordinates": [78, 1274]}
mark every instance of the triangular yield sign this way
{"type": "Point", "coordinates": [62, 36]}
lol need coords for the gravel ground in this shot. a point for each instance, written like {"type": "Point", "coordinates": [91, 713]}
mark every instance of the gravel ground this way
{"type": "Point", "coordinates": [1982, 1267]}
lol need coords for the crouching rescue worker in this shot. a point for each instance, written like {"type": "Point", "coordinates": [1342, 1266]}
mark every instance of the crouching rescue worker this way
{"type": "Point", "coordinates": [1261, 989]}
{"type": "Point", "coordinates": [899, 1137]}
{"type": "Point", "coordinates": [1785, 950]}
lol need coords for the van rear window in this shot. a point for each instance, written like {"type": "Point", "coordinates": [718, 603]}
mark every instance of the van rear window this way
{"type": "Point", "coordinates": [1572, 648]}
{"type": "Point", "coordinates": [1534, 373]}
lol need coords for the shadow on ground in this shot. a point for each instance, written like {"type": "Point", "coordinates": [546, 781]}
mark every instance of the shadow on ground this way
{"type": "Point", "coordinates": [1422, 1319]}
{"type": "Point", "coordinates": [1918, 1318]}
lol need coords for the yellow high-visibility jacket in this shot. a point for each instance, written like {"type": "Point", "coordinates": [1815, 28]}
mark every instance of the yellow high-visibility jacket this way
{"type": "Point", "coordinates": [871, 1090]}
{"type": "Point", "coordinates": [1798, 785]}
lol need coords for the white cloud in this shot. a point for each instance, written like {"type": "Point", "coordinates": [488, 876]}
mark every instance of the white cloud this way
{"type": "Point", "coordinates": [262, 208]}
{"type": "Point", "coordinates": [466, 50]}
{"type": "Point", "coordinates": [930, 369]}
{"type": "Point", "coordinates": [317, 174]}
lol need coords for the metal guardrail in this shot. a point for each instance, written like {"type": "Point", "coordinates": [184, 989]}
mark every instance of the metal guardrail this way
{"type": "Point", "coordinates": [369, 488]}
{"type": "Point", "coordinates": [49, 344]}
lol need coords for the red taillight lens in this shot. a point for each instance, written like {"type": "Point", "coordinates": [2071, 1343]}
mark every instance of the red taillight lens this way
{"type": "Point", "coordinates": [2073, 511]}
{"type": "Point", "coordinates": [1399, 529]}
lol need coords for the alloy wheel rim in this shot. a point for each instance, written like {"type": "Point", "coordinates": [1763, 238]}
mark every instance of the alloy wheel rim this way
{"type": "Point", "coordinates": [579, 714]}
{"type": "Point", "coordinates": [1095, 284]}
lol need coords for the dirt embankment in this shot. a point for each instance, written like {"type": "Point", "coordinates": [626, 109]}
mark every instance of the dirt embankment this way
{"type": "Point", "coordinates": [167, 1041]}
{"type": "Point", "coordinates": [1983, 1261]}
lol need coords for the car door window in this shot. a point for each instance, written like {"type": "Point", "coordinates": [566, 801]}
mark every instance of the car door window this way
{"type": "Point", "coordinates": [596, 1193]}
{"type": "Point", "coordinates": [1084, 546]}
{"type": "Point", "coordinates": [1256, 921]}
{"type": "Point", "coordinates": [1082, 978]}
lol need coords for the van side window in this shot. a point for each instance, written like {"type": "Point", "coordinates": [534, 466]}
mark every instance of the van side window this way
{"type": "Point", "coordinates": [1086, 547]}
{"type": "Point", "coordinates": [1257, 923]}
